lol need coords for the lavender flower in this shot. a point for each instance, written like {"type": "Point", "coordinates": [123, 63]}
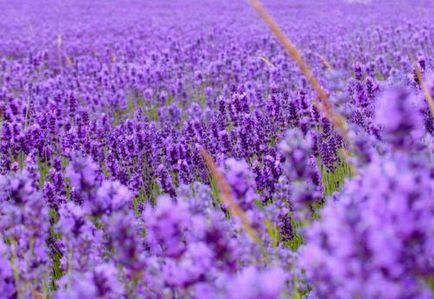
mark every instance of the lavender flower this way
{"type": "Point", "coordinates": [166, 225]}
{"type": "Point", "coordinates": [398, 118]}
{"type": "Point", "coordinates": [103, 193]}
{"type": "Point", "coordinates": [254, 283]}
{"type": "Point", "coordinates": [7, 283]}
{"type": "Point", "coordinates": [101, 282]}
{"type": "Point", "coordinates": [375, 238]}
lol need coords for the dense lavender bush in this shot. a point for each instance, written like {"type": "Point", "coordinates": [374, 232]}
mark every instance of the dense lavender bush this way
{"type": "Point", "coordinates": [109, 110]}
{"type": "Point", "coordinates": [375, 239]}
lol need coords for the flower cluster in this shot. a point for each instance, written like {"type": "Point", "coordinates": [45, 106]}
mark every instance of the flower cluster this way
{"type": "Point", "coordinates": [107, 113]}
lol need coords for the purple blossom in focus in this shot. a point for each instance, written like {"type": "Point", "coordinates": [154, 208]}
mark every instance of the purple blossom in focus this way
{"type": "Point", "coordinates": [107, 107]}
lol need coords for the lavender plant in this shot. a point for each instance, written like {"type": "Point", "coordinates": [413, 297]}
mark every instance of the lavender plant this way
{"type": "Point", "coordinates": [108, 109]}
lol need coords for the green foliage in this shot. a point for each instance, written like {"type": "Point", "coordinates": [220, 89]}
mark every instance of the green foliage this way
{"type": "Point", "coordinates": [155, 191]}
{"type": "Point", "coordinates": [297, 240]}
{"type": "Point", "coordinates": [273, 232]}
{"type": "Point", "coordinates": [215, 194]}
{"type": "Point", "coordinates": [333, 181]}
{"type": "Point", "coordinates": [44, 169]}
{"type": "Point", "coordinates": [55, 254]}
{"type": "Point", "coordinates": [430, 282]}
{"type": "Point", "coordinates": [137, 201]}
{"type": "Point", "coordinates": [153, 113]}
{"type": "Point", "coordinates": [21, 159]}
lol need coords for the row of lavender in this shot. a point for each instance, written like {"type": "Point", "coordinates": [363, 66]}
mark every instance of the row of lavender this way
{"type": "Point", "coordinates": [104, 108]}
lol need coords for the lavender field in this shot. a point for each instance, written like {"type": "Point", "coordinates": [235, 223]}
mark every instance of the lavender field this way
{"type": "Point", "coordinates": [195, 149]}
